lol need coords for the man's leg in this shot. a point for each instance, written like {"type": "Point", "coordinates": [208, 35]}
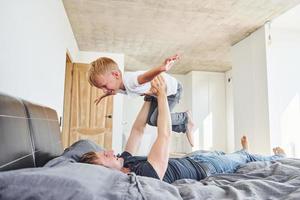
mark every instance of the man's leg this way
{"type": "Point", "coordinates": [206, 153]}
{"type": "Point", "coordinates": [278, 152]}
{"type": "Point", "coordinates": [229, 163]}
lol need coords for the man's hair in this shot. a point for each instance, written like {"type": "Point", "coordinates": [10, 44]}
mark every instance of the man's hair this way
{"type": "Point", "coordinates": [88, 157]}
{"type": "Point", "coordinates": [100, 67]}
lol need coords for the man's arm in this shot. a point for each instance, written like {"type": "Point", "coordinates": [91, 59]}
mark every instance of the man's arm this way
{"type": "Point", "coordinates": [149, 75]}
{"type": "Point", "coordinates": [137, 130]}
{"type": "Point", "coordinates": [159, 153]}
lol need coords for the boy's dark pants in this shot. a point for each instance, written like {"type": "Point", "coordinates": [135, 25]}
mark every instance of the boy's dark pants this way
{"type": "Point", "coordinates": [179, 120]}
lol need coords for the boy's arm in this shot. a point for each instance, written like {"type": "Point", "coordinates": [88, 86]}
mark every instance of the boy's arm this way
{"type": "Point", "coordinates": [137, 130]}
{"type": "Point", "coordinates": [149, 75]}
{"type": "Point", "coordinates": [98, 99]}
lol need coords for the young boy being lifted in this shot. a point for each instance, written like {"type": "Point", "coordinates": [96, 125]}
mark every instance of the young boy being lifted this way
{"type": "Point", "coordinates": [105, 74]}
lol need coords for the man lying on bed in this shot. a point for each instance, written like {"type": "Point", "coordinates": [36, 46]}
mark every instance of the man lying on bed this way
{"type": "Point", "coordinates": [157, 164]}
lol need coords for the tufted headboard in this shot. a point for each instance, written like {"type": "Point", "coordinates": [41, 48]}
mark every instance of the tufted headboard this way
{"type": "Point", "coordinates": [29, 134]}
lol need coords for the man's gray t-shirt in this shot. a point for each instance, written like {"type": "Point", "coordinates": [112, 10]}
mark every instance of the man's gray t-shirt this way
{"type": "Point", "coordinates": [178, 168]}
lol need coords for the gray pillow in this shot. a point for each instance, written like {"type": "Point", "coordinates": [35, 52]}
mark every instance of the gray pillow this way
{"type": "Point", "coordinates": [59, 161]}
{"type": "Point", "coordinates": [76, 150]}
{"type": "Point", "coordinates": [73, 153]}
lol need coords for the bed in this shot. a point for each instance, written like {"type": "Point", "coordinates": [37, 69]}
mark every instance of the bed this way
{"type": "Point", "coordinates": [33, 165]}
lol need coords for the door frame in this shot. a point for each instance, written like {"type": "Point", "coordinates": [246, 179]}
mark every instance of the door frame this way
{"type": "Point", "coordinates": [67, 101]}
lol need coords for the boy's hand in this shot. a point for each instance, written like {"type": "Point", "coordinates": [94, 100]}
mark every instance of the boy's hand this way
{"type": "Point", "coordinates": [158, 86]}
{"type": "Point", "coordinates": [98, 99]}
{"type": "Point", "coordinates": [169, 62]}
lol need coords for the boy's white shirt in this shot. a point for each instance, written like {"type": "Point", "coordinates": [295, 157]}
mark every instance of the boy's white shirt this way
{"type": "Point", "coordinates": [133, 88]}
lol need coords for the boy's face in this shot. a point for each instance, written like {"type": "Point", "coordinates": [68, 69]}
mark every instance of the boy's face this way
{"type": "Point", "coordinates": [109, 83]}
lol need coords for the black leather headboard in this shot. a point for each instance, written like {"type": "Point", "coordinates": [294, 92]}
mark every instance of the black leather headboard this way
{"type": "Point", "coordinates": [29, 134]}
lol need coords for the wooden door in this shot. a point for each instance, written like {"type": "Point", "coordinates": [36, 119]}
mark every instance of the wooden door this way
{"type": "Point", "coordinates": [67, 102]}
{"type": "Point", "coordinates": [88, 121]}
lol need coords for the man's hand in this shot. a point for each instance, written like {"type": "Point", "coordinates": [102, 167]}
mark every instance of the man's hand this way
{"type": "Point", "coordinates": [158, 86]}
{"type": "Point", "coordinates": [169, 62]}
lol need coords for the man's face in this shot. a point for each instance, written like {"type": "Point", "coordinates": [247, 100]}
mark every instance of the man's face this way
{"type": "Point", "coordinates": [108, 159]}
{"type": "Point", "coordinates": [109, 83]}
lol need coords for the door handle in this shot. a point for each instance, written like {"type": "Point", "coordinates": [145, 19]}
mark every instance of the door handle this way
{"type": "Point", "coordinates": [108, 116]}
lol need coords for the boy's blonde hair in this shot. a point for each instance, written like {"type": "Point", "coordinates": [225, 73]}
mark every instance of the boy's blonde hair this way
{"type": "Point", "coordinates": [100, 67]}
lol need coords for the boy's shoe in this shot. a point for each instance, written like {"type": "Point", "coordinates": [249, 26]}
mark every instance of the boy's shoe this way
{"type": "Point", "coordinates": [190, 129]}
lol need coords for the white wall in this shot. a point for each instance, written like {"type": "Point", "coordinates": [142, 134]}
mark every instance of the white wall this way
{"type": "Point", "coordinates": [209, 109]}
{"type": "Point", "coordinates": [249, 76]}
{"type": "Point", "coordinates": [229, 111]}
{"type": "Point", "coordinates": [89, 56]}
{"type": "Point", "coordinates": [284, 82]}
{"type": "Point", "coordinates": [267, 85]}
{"type": "Point", "coordinates": [179, 142]}
{"type": "Point", "coordinates": [35, 36]}
{"type": "Point", "coordinates": [204, 95]}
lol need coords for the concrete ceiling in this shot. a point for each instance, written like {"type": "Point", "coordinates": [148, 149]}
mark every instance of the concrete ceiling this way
{"type": "Point", "coordinates": [147, 31]}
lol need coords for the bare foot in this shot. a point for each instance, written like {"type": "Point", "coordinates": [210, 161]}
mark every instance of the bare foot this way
{"type": "Point", "coordinates": [244, 142]}
{"type": "Point", "coordinates": [190, 129]}
{"type": "Point", "coordinates": [279, 151]}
